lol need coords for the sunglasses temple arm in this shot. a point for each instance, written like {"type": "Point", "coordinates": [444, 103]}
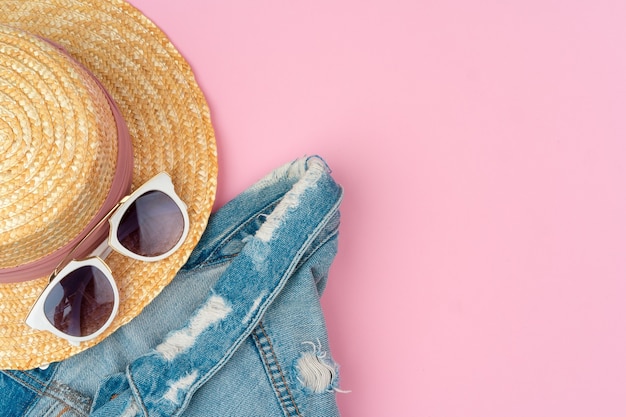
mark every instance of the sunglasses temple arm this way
{"type": "Point", "coordinates": [102, 250]}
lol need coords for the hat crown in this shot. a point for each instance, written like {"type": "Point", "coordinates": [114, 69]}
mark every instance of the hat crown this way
{"type": "Point", "coordinates": [58, 141]}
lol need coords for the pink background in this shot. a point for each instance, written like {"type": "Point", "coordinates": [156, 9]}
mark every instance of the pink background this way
{"type": "Point", "coordinates": [482, 146]}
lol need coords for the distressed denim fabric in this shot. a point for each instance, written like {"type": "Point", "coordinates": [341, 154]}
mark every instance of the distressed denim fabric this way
{"type": "Point", "coordinates": [238, 332]}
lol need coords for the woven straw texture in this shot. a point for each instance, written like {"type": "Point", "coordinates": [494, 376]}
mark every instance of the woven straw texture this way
{"type": "Point", "coordinates": [56, 121]}
{"type": "Point", "coordinates": [43, 202]}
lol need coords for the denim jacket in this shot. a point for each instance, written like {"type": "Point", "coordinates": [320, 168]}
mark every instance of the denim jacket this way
{"type": "Point", "coordinates": [238, 332]}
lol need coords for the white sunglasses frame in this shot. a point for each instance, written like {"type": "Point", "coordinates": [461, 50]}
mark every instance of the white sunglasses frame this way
{"type": "Point", "coordinates": [37, 318]}
{"type": "Point", "coordinates": [161, 182]}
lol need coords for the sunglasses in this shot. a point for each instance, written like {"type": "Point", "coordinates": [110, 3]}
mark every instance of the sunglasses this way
{"type": "Point", "coordinates": [81, 298]}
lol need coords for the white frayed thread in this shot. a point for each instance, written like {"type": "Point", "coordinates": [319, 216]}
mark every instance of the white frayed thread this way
{"type": "Point", "coordinates": [314, 370]}
{"type": "Point", "coordinates": [315, 169]}
{"type": "Point", "coordinates": [295, 169]}
{"type": "Point", "coordinates": [215, 310]}
{"type": "Point", "coordinates": [255, 305]}
{"type": "Point", "coordinates": [182, 384]}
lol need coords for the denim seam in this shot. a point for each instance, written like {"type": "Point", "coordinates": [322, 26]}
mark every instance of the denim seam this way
{"type": "Point", "coordinates": [44, 390]}
{"type": "Point", "coordinates": [215, 263]}
{"type": "Point", "coordinates": [331, 236]}
{"type": "Point", "coordinates": [303, 250]}
{"type": "Point", "coordinates": [71, 393]}
{"type": "Point", "coordinates": [20, 376]}
{"type": "Point", "coordinates": [275, 371]}
{"type": "Point", "coordinates": [223, 242]}
{"type": "Point", "coordinates": [20, 380]}
{"type": "Point", "coordinates": [136, 394]}
{"type": "Point", "coordinates": [24, 383]}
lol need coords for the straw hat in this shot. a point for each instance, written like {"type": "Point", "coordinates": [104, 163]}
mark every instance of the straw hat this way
{"type": "Point", "coordinates": [94, 101]}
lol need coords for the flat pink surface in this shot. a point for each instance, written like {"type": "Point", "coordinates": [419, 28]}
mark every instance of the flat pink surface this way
{"type": "Point", "coordinates": [482, 147]}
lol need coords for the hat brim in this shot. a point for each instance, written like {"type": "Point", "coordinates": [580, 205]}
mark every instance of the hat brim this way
{"type": "Point", "coordinates": [169, 123]}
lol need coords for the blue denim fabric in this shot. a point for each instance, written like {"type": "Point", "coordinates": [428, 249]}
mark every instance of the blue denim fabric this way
{"type": "Point", "coordinates": [238, 332]}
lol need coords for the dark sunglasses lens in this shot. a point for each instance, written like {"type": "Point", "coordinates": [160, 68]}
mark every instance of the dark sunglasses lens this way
{"type": "Point", "coordinates": [81, 303]}
{"type": "Point", "coordinates": [152, 225]}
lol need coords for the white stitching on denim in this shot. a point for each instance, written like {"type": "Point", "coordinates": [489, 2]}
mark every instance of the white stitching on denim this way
{"type": "Point", "coordinates": [279, 382]}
